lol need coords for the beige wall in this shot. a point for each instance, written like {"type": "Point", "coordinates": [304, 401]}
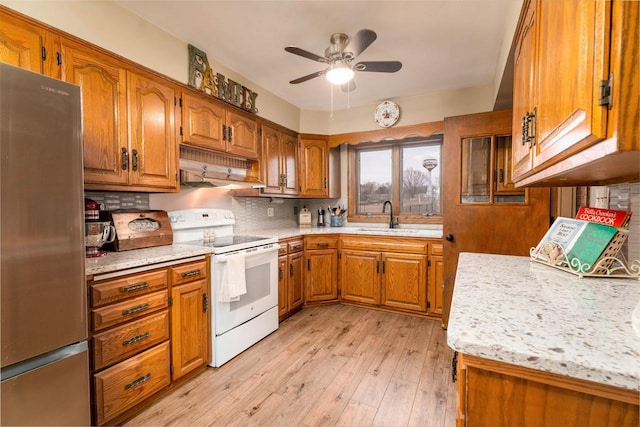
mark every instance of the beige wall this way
{"type": "Point", "coordinates": [108, 25]}
{"type": "Point", "coordinates": [413, 110]}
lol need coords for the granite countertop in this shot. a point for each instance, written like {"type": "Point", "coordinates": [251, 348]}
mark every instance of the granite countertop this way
{"type": "Point", "coordinates": [284, 232]}
{"type": "Point", "coordinates": [114, 261]}
{"type": "Point", "coordinates": [512, 310]}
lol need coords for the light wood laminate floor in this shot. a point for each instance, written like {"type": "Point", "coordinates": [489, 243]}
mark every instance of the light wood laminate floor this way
{"type": "Point", "coordinates": [325, 366]}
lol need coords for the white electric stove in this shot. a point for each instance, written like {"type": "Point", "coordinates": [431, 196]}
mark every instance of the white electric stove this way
{"type": "Point", "coordinates": [239, 324]}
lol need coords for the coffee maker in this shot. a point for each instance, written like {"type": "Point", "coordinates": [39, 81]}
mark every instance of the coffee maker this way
{"type": "Point", "coordinates": [321, 222]}
{"type": "Point", "coordinates": [96, 232]}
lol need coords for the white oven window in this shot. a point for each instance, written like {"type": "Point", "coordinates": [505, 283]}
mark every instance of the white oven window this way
{"type": "Point", "coordinates": [258, 286]}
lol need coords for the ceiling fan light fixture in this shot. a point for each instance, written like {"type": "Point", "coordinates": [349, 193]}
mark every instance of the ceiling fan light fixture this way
{"type": "Point", "coordinates": [339, 73]}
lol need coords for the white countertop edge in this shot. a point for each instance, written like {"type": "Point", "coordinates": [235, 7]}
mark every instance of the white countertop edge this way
{"type": "Point", "coordinates": [285, 232]}
{"type": "Point", "coordinates": [115, 261]}
{"type": "Point", "coordinates": [532, 332]}
{"type": "Point", "coordinates": [602, 374]}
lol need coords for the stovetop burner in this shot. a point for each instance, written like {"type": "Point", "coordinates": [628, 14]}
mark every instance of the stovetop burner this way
{"type": "Point", "coordinates": [221, 242]}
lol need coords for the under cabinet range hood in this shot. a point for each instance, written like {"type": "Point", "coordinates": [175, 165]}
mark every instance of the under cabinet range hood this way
{"type": "Point", "coordinates": [194, 173]}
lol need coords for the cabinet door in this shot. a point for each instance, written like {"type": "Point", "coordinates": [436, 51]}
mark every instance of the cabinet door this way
{"type": "Point", "coordinates": [153, 145]}
{"type": "Point", "coordinates": [435, 285]}
{"type": "Point", "coordinates": [28, 46]}
{"type": "Point", "coordinates": [314, 167]}
{"type": "Point", "coordinates": [283, 292]}
{"type": "Point", "coordinates": [289, 163]}
{"type": "Point", "coordinates": [360, 276]}
{"type": "Point", "coordinates": [104, 112]}
{"type": "Point", "coordinates": [404, 281]}
{"type": "Point", "coordinates": [523, 80]}
{"type": "Point", "coordinates": [271, 173]}
{"type": "Point", "coordinates": [572, 45]}
{"type": "Point", "coordinates": [242, 135]}
{"type": "Point", "coordinates": [294, 281]}
{"type": "Point", "coordinates": [189, 327]}
{"type": "Point", "coordinates": [321, 277]}
{"type": "Point", "coordinates": [202, 122]}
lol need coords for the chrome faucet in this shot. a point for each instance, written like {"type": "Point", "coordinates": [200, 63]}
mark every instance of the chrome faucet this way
{"type": "Point", "coordinates": [384, 205]}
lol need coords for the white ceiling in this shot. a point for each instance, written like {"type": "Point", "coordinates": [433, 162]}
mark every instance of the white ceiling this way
{"type": "Point", "coordinates": [442, 44]}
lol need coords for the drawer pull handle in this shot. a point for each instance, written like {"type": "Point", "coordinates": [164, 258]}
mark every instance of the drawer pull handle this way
{"type": "Point", "coordinates": [191, 273]}
{"type": "Point", "coordinates": [136, 339]}
{"type": "Point", "coordinates": [135, 383]}
{"type": "Point", "coordinates": [136, 309]}
{"type": "Point", "coordinates": [323, 245]}
{"type": "Point", "coordinates": [135, 287]}
{"type": "Point", "coordinates": [296, 247]}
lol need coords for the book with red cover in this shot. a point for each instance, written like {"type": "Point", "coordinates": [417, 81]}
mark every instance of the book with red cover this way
{"type": "Point", "coordinates": [604, 216]}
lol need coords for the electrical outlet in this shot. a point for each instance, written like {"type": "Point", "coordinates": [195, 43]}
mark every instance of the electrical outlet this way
{"type": "Point", "coordinates": [269, 211]}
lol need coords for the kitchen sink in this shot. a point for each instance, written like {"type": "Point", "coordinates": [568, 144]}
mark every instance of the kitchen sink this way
{"type": "Point", "coordinates": [389, 230]}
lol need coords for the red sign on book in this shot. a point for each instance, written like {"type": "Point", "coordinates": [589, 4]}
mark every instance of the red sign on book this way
{"type": "Point", "coordinates": [604, 216]}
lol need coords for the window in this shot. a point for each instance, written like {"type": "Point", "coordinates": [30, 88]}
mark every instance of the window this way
{"type": "Point", "coordinates": [486, 171]}
{"type": "Point", "coordinates": [407, 173]}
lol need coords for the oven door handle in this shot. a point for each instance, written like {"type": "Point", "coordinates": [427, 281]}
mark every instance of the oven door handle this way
{"type": "Point", "coordinates": [222, 258]}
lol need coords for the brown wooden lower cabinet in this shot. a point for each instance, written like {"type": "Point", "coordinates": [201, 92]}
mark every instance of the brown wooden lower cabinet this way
{"type": "Point", "coordinates": [390, 272]}
{"type": "Point", "coordinates": [124, 385]}
{"type": "Point", "coordinates": [501, 395]}
{"type": "Point", "coordinates": [435, 281]}
{"type": "Point", "coordinates": [148, 329]}
{"type": "Point", "coordinates": [321, 268]}
{"type": "Point", "coordinates": [290, 277]}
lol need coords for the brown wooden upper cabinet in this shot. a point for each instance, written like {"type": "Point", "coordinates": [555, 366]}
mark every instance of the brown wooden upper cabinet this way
{"type": "Point", "coordinates": [209, 124]}
{"type": "Point", "coordinates": [128, 121]}
{"type": "Point", "coordinates": [314, 166]}
{"type": "Point", "coordinates": [575, 101]}
{"type": "Point", "coordinates": [28, 46]}
{"type": "Point", "coordinates": [125, 145]}
{"type": "Point", "coordinates": [279, 163]}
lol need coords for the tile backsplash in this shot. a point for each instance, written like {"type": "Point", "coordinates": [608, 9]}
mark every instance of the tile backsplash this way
{"type": "Point", "coordinates": [119, 200]}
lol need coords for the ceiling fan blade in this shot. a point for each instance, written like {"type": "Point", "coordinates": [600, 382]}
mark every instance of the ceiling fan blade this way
{"type": "Point", "coordinates": [360, 41]}
{"type": "Point", "coordinates": [306, 54]}
{"type": "Point", "coordinates": [349, 86]}
{"type": "Point", "coordinates": [379, 66]}
{"type": "Point", "coordinates": [307, 77]}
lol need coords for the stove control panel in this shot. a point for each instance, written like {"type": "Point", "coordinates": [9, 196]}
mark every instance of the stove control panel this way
{"type": "Point", "coordinates": [193, 218]}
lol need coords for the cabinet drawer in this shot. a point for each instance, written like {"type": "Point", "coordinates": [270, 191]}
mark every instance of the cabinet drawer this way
{"type": "Point", "coordinates": [295, 246]}
{"type": "Point", "coordinates": [436, 249]}
{"type": "Point", "coordinates": [320, 242]}
{"type": "Point", "coordinates": [110, 291]}
{"type": "Point", "coordinates": [119, 343]}
{"type": "Point", "coordinates": [282, 250]}
{"type": "Point", "coordinates": [131, 309]}
{"type": "Point", "coordinates": [127, 383]}
{"type": "Point", "coordinates": [188, 272]}
{"type": "Point", "coordinates": [385, 244]}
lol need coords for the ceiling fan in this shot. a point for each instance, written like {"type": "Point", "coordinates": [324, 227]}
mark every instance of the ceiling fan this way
{"type": "Point", "coordinates": [339, 57]}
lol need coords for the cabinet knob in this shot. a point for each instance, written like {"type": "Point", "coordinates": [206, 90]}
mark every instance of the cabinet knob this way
{"type": "Point", "coordinates": [449, 237]}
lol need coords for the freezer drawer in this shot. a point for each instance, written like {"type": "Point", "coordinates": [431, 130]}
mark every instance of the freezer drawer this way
{"type": "Point", "coordinates": [53, 394]}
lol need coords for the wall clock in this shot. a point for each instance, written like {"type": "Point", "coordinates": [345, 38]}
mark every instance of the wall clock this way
{"type": "Point", "coordinates": [387, 114]}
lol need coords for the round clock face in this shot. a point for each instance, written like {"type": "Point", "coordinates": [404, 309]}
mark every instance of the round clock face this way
{"type": "Point", "coordinates": [387, 114]}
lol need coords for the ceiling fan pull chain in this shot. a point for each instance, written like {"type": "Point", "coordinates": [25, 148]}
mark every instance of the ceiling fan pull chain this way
{"type": "Point", "coordinates": [331, 116]}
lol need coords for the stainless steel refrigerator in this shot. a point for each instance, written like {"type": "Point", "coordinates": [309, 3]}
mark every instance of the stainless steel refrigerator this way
{"type": "Point", "coordinates": [45, 363]}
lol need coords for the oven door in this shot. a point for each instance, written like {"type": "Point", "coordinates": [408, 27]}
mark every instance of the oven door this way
{"type": "Point", "coordinates": [261, 271]}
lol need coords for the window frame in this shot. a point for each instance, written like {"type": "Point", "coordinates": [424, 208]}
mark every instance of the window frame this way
{"type": "Point", "coordinates": [352, 184]}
